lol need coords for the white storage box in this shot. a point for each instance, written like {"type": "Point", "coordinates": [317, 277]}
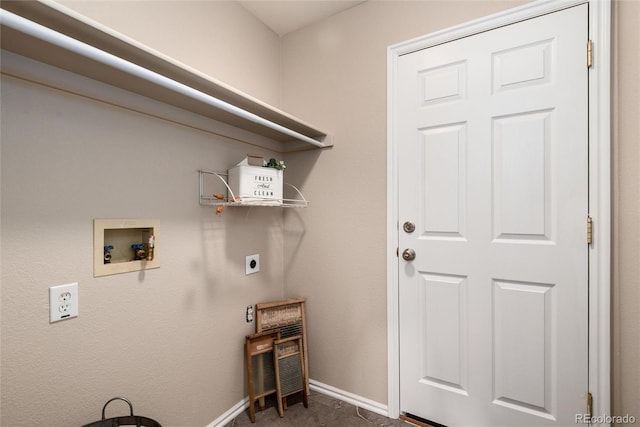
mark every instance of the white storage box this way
{"type": "Point", "coordinates": [256, 184]}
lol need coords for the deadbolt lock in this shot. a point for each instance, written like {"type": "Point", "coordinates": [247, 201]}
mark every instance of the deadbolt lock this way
{"type": "Point", "coordinates": [409, 254]}
{"type": "Point", "coordinates": [409, 227]}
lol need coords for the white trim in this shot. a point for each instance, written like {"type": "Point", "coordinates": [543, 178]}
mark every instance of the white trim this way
{"type": "Point", "coordinates": [353, 399]}
{"type": "Point", "coordinates": [229, 416]}
{"type": "Point", "coordinates": [393, 324]}
{"type": "Point", "coordinates": [599, 186]}
{"type": "Point", "coordinates": [500, 19]}
{"type": "Point", "coordinates": [600, 207]}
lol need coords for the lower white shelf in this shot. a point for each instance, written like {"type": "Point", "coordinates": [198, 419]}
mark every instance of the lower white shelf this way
{"type": "Point", "coordinates": [222, 195]}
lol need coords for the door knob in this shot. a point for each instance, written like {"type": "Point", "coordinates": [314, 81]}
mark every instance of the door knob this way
{"type": "Point", "coordinates": [409, 254]}
{"type": "Point", "coordinates": [409, 227]}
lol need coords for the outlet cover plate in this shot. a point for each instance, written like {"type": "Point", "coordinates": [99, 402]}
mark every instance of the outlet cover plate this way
{"type": "Point", "coordinates": [63, 302]}
{"type": "Point", "coordinates": [252, 264]}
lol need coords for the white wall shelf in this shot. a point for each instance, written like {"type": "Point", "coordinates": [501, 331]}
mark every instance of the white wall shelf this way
{"type": "Point", "coordinates": [52, 34]}
{"type": "Point", "coordinates": [226, 197]}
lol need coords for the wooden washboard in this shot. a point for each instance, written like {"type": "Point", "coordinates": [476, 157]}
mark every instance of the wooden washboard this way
{"type": "Point", "coordinates": [261, 372]}
{"type": "Point", "coordinates": [288, 317]}
{"type": "Point", "coordinates": [290, 375]}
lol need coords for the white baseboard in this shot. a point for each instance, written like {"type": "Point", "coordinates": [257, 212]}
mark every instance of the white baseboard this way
{"type": "Point", "coordinates": [345, 396]}
{"type": "Point", "coordinates": [354, 399]}
{"type": "Point", "coordinates": [228, 416]}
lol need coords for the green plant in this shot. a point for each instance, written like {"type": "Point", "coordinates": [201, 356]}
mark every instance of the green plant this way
{"type": "Point", "coordinates": [273, 163]}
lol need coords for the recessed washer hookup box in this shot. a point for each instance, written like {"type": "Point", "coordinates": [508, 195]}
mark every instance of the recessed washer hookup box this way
{"type": "Point", "coordinates": [256, 184]}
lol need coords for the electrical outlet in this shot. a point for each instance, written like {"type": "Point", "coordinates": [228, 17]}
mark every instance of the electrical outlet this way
{"type": "Point", "coordinates": [63, 302]}
{"type": "Point", "coordinates": [249, 314]}
{"type": "Point", "coordinates": [252, 264]}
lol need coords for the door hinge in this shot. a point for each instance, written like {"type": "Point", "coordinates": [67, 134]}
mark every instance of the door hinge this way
{"type": "Point", "coordinates": [590, 405]}
{"type": "Point", "coordinates": [589, 230]}
{"type": "Point", "coordinates": [589, 53]}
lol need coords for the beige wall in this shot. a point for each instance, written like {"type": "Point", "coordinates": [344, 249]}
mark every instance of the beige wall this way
{"type": "Point", "coordinates": [171, 339]}
{"type": "Point", "coordinates": [626, 210]}
{"type": "Point", "coordinates": [218, 38]}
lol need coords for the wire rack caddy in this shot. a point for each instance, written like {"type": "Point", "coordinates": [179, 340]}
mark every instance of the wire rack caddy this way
{"type": "Point", "coordinates": [215, 191]}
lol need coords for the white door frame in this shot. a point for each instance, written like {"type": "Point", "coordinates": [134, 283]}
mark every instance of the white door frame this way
{"type": "Point", "coordinates": [599, 188]}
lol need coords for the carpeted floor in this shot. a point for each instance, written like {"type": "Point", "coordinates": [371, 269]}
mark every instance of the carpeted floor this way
{"type": "Point", "coordinates": [323, 411]}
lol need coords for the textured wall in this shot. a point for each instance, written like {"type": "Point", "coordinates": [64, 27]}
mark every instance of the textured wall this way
{"type": "Point", "coordinates": [218, 38]}
{"type": "Point", "coordinates": [170, 339]}
{"type": "Point", "coordinates": [625, 354]}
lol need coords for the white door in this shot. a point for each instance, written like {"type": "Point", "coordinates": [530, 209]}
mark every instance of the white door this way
{"type": "Point", "coordinates": [492, 141]}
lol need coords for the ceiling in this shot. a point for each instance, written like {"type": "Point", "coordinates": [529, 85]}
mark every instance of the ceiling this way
{"type": "Point", "coordinates": [289, 15]}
